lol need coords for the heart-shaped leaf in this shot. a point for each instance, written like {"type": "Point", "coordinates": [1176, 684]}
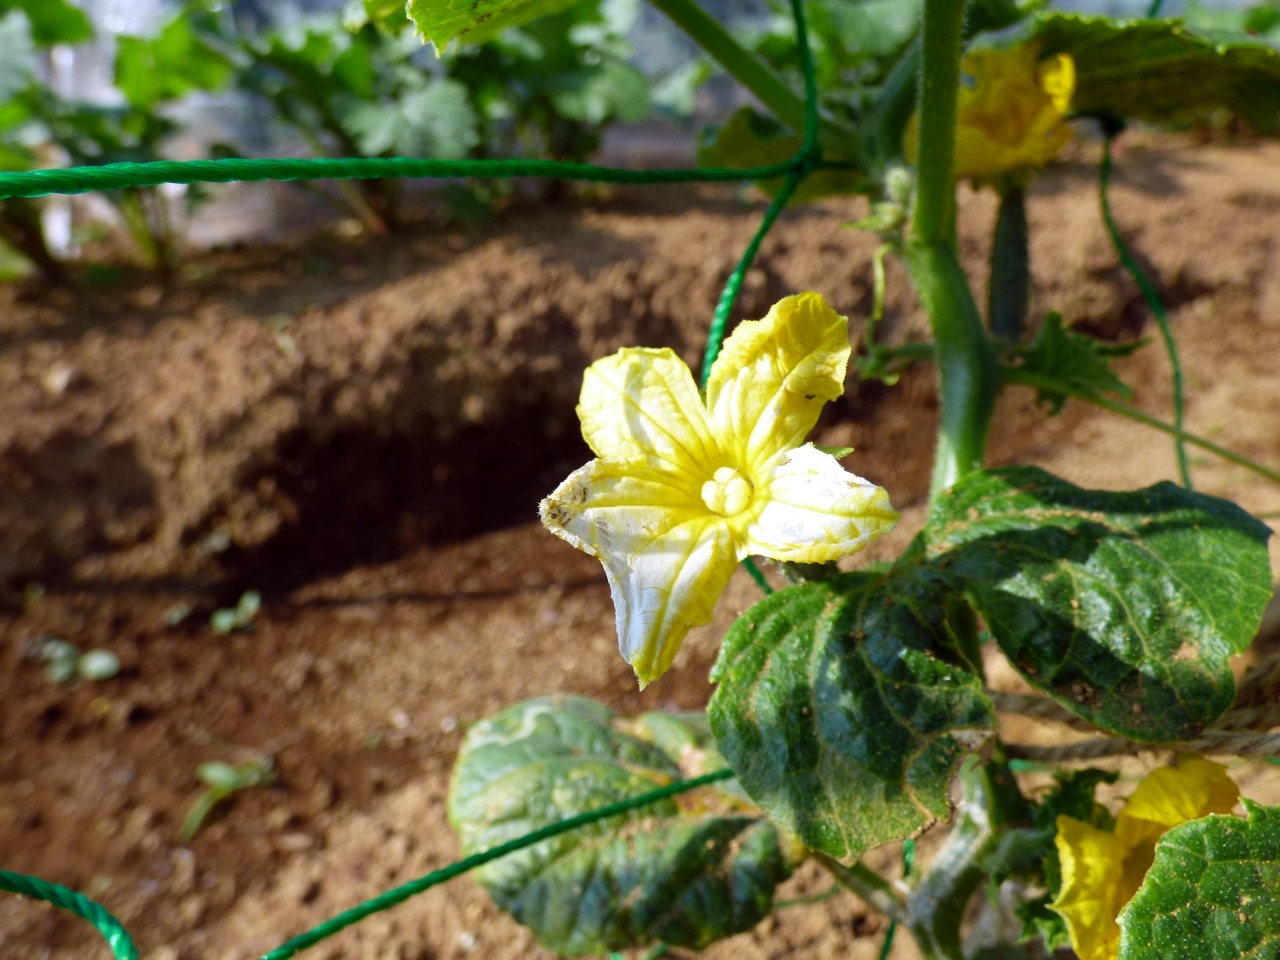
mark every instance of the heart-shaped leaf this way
{"type": "Point", "coordinates": [1126, 607]}
{"type": "Point", "coordinates": [686, 871]}
{"type": "Point", "coordinates": [1212, 893]}
{"type": "Point", "coordinates": [839, 713]}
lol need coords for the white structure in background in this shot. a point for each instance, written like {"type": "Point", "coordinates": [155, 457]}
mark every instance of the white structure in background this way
{"type": "Point", "coordinates": [243, 211]}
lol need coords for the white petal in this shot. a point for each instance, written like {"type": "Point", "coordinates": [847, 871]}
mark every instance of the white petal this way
{"type": "Point", "coordinates": [667, 557]}
{"type": "Point", "coordinates": [812, 510]}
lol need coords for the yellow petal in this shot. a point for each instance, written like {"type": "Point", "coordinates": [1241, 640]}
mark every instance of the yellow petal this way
{"type": "Point", "coordinates": [641, 404]}
{"type": "Point", "coordinates": [811, 510]}
{"type": "Point", "coordinates": [769, 383]}
{"type": "Point", "coordinates": [667, 557]}
{"type": "Point", "coordinates": [1170, 796]}
{"type": "Point", "coordinates": [1009, 113]}
{"type": "Point", "coordinates": [1091, 870]}
{"type": "Point", "coordinates": [1057, 75]}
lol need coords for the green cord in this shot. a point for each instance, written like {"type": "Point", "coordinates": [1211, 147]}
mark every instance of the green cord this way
{"type": "Point", "coordinates": [112, 930]}
{"type": "Point", "coordinates": [118, 176]}
{"type": "Point", "coordinates": [720, 321]}
{"type": "Point", "coordinates": [1153, 303]}
{"type": "Point", "coordinates": [400, 894]}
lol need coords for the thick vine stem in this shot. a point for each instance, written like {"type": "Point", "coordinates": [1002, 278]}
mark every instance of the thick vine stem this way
{"type": "Point", "coordinates": [874, 890]}
{"type": "Point", "coordinates": [1225, 742]}
{"type": "Point", "coordinates": [967, 369]}
{"type": "Point", "coordinates": [968, 374]}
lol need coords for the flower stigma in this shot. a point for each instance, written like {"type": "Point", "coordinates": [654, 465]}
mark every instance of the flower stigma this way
{"type": "Point", "coordinates": [727, 493]}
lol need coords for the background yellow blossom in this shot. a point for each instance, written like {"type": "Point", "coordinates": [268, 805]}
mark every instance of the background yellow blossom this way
{"type": "Point", "coordinates": [1103, 869]}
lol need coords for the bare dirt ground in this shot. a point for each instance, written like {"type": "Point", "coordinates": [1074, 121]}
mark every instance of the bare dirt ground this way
{"type": "Point", "coordinates": [361, 429]}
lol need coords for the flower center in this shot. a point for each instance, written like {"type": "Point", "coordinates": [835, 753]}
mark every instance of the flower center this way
{"type": "Point", "coordinates": [727, 493]}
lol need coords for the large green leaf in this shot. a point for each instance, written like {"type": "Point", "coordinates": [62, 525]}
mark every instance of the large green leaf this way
{"type": "Point", "coordinates": [687, 870]}
{"type": "Point", "coordinates": [839, 714]}
{"type": "Point", "coordinates": [475, 21]}
{"type": "Point", "coordinates": [1165, 71]}
{"type": "Point", "coordinates": [1213, 892]}
{"type": "Point", "coordinates": [1124, 606]}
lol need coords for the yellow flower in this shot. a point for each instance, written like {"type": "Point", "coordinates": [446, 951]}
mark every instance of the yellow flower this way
{"type": "Point", "coordinates": [1010, 112]}
{"type": "Point", "coordinates": [1102, 870]}
{"type": "Point", "coordinates": [682, 490]}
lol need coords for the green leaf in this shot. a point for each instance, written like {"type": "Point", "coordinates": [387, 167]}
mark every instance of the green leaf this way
{"type": "Point", "coordinates": [1125, 607]}
{"type": "Point", "coordinates": [1213, 892]}
{"type": "Point", "coordinates": [53, 21]}
{"type": "Point", "coordinates": [751, 139]}
{"type": "Point", "coordinates": [1073, 360]}
{"type": "Point", "coordinates": [1165, 71]}
{"type": "Point", "coordinates": [435, 121]}
{"type": "Point", "coordinates": [475, 21]}
{"type": "Point", "coordinates": [838, 713]}
{"type": "Point", "coordinates": [168, 66]}
{"type": "Point", "coordinates": [615, 90]}
{"type": "Point", "coordinates": [686, 871]}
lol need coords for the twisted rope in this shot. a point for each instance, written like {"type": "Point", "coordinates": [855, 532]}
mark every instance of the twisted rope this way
{"type": "Point", "coordinates": [1211, 742]}
{"type": "Point", "coordinates": [117, 176]}
{"type": "Point", "coordinates": [112, 930]}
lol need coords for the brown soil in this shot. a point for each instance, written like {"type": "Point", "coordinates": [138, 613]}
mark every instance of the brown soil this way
{"type": "Point", "coordinates": [361, 429]}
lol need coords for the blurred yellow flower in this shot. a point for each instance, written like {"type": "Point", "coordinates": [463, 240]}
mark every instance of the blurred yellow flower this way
{"type": "Point", "coordinates": [683, 489]}
{"type": "Point", "coordinates": [1102, 870]}
{"type": "Point", "coordinates": [1010, 115]}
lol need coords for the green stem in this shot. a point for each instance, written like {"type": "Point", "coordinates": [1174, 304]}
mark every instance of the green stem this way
{"type": "Point", "coordinates": [753, 73]}
{"type": "Point", "coordinates": [1010, 275]}
{"type": "Point", "coordinates": [874, 890]}
{"type": "Point", "coordinates": [967, 368]}
{"type": "Point", "coordinates": [941, 41]}
{"type": "Point", "coordinates": [1029, 379]}
{"type": "Point", "coordinates": [968, 374]}
{"type": "Point", "coordinates": [1153, 303]}
{"type": "Point", "coordinates": [882, 130]}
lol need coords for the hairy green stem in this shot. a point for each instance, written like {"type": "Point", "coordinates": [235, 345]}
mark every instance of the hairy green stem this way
{"type": "Point", "coordinates": [1010, 275]}
{"type": "Point", "coordinates": [941, 41]}
{"type": "Point", "coordinates": [1153, 304]}
{"type": "Point", "coordinates": [753, 73]}
{"type": "Point", "coordinates": [967, 368]}
{"type": "Point", "coordinates": [968, 374]}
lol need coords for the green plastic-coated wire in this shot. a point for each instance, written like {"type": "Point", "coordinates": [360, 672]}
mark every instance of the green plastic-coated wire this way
{"type": "Point", "coordinates": [393, 897]}
{"type": "Point", "coordinates": [117, 176]}
{"type": "Point", "coordinates": [118, 940]}
{"type": "Point", "coordinates": [1153, 304]}
{"type": "Point", "coordinates": [720, 320]}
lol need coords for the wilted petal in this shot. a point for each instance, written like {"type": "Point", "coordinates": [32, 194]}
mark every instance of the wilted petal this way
{"type": "Point", "coordinates": [642, 405]}
{"type": "Point", "coordinates": [1092, 862]}
{"type": "Point", "coordinates": [769, 383]}
{"type": "Point", "coordinates": [666, 556]}
{"type": "Point", "coordinates": [812, 510]}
